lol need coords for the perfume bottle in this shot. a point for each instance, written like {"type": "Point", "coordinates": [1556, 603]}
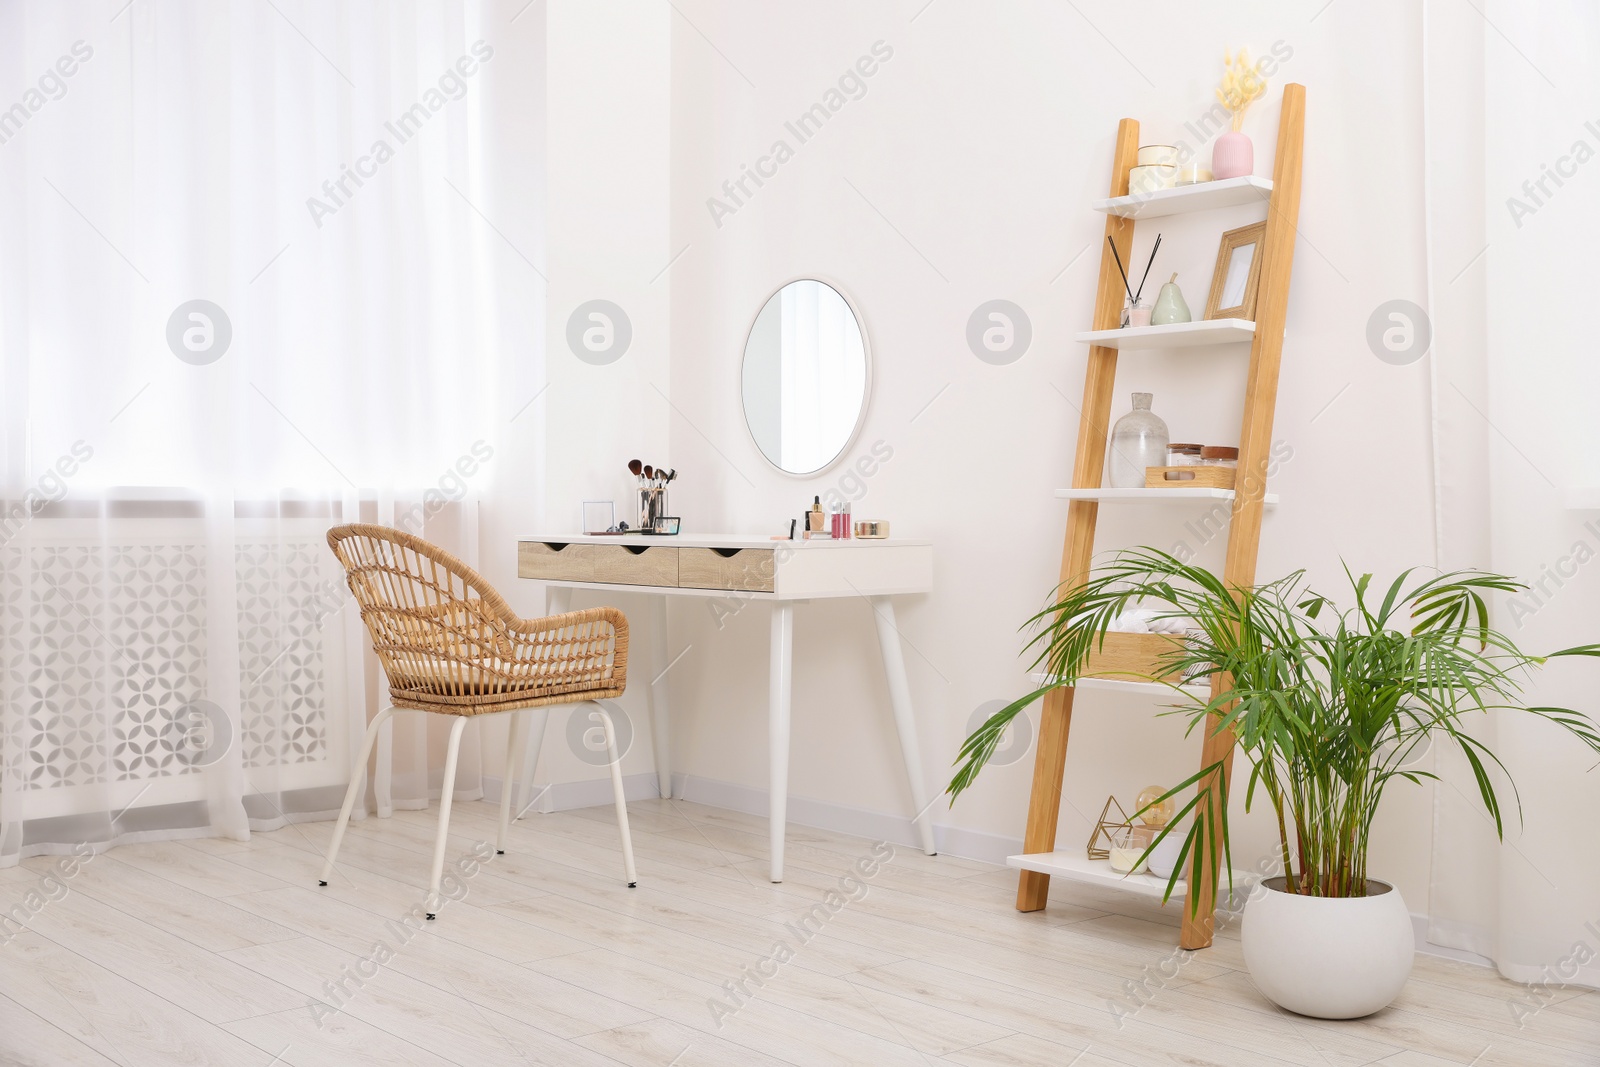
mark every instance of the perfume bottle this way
{"type": "Point", "coordinates": [1138, 440]}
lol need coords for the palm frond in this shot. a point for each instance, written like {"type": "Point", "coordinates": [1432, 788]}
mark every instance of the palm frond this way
{"type": "Point", "coordinates": [1328, 705]}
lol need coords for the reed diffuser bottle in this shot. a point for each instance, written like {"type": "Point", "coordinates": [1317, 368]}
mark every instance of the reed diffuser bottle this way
{"type": "Point", "coordinates": [1138, 440]}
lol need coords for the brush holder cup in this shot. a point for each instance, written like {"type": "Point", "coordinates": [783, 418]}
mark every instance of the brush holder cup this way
{"type": "Point", "coordinates": [652, 507]}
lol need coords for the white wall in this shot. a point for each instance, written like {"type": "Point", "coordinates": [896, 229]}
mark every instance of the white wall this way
{"type": "Point", "coordinates": [963, 175]}
{"type": "Point", "coordinates": [605, 126]}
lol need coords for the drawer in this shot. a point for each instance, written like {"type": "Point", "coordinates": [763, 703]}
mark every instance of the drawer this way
{"type": "Point", "coordinates": [555, 561]}
{"type": "Point", "coordinates": [633, 564]}
{"type": "Point", "coordinates": [748, 570]}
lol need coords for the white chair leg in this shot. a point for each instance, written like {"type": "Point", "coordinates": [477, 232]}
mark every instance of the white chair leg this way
{"type": "Point", "coordinates": [358, 777]}
{"type": "Point", "coordinates": [446, 794]}
{"type": "Point", "coordinates": [519, 727]}
{"type": "Point", "coordinates": [616, 788]}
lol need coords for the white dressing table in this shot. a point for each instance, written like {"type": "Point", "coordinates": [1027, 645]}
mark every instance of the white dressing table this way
{"type": "Point", "coordinates": [739, 569]}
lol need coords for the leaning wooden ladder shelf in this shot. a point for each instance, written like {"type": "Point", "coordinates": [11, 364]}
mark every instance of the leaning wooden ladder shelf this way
{"type": "Point", "coordinates": [1039, 862]}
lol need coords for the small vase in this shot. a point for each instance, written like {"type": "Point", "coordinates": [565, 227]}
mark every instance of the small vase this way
{"type": "Point", "coordinates": [1233, 156]}
{"type": "Point", "coordinates": [1138, 440]}
{"type": "Point", "coordinates": [1170, 306]}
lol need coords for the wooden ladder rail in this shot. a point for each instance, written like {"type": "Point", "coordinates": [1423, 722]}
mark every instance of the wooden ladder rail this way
{"type": "Point", "coordinates": [1255, 446]}
{"type": "Point", "coordinates": [1255, 454]}
{"type": "Point", "coordinates": [1094, 419]}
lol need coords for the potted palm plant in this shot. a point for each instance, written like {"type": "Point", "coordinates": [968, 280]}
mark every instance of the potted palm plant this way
{"type": "Point", "coordinates": [1329, 706]}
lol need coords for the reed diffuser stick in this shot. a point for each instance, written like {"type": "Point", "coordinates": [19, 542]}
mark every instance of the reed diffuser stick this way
{"type": "Point", "coordinates": [1153, 251]}
{"type": "Point", "coordinates": [1120, 271]}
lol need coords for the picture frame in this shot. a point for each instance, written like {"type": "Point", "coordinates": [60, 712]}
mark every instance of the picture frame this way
{"type": "Point", "coordinates": [1238, 274]}
{"type": "Point", "coordinates": [599, 516]}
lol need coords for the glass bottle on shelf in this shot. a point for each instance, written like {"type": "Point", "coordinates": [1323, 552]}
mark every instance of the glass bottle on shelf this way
{"type": "Point", "coordinates": [1138, 440]}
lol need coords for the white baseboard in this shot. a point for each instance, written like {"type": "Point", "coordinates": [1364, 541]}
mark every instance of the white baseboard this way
{"type": "Point", "coordinates": [843, 819]}
{"type": "Point", "coordinates": [567, 796]}
{"type": "Point", "coordinates": [1419, 925]}
{"type": "Point", "coordinates": [840, 818]}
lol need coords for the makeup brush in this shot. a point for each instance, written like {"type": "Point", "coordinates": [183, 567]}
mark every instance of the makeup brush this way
{"type": "Point", "coordinates": [1147, 269]}
{"type": "Point", "coordinates": [1120, 271]}
{"type": "Point", "coordinates": [649, 472]}
{"type": "Point", "coordinates": [635, 468]}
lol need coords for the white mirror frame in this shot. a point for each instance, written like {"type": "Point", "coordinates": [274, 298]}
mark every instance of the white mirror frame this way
{"type": "Point", "coordinates": [866, 391]}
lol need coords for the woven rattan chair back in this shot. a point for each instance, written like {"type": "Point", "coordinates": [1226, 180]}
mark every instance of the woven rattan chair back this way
{"type": "Point", "coordinates": [449, 643]}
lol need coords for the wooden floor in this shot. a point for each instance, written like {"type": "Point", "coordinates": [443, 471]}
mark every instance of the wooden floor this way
{"type": "Point", "coordinates": [211, 952]}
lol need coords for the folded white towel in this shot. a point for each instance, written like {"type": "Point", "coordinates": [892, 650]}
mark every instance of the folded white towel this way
{"type": "Point", "coordinates": [1145, 621]}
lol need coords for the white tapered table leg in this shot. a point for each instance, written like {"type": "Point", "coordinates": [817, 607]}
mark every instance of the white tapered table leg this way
{"type": "Point", "coordinates": [659, 666]}
{"type": "Point", "coordinates": [557, 601]}
{"type": "Point", "coordinates": [905, 720]}
{"type": "Point", "coordinates": [780, 687]}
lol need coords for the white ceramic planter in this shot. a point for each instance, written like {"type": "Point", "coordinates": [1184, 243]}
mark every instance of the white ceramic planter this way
{"type": "Point", "coordinates": [1330, 958]}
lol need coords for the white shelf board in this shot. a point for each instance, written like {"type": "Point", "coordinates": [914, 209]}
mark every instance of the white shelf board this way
{"type": "Point", "coordinates": [1229, 192]}
{"type": "Point", "coordinates": [1074, 866]}
{"type": "Point", "coordinates": [1172, 335]}
{"type": "Point", "coordinates": [1152, 496]}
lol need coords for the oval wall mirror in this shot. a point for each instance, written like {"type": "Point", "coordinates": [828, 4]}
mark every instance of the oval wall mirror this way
{"type": "Point", "coordinates": [806, 377]}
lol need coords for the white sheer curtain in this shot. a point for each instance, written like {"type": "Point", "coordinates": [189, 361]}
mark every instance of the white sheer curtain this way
{"type": "Point", "coordinates": [1516, 381]}
{"type": "Point", "coordinates": [179, 654]}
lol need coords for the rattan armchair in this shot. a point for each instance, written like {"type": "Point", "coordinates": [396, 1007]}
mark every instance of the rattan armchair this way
{"type": "Point", "coordinates": [451, 645]}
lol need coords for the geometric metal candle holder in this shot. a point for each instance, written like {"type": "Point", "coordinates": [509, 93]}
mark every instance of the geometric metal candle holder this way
{"type": "Point", "coordinates": [1106, 828]}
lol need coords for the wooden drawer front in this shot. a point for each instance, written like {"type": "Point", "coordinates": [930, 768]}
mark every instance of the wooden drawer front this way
{"type": "Point", "coordinates": [748, 570]}
{"type": "Point", "coordinates": [634, 564]}
{"type": "Point", "coordinates": [552, 560]}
